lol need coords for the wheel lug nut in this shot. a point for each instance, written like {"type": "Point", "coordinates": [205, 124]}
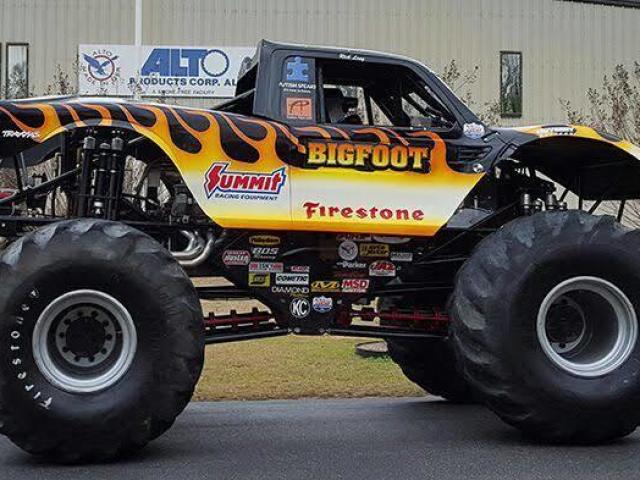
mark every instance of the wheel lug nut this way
{"type": "Point", "coordinates": [25, 307]}
{"type": "Point", "coordinates": [34, 293]}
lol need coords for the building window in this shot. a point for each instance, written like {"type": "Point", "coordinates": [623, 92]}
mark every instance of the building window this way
{"type": "Point", "coordinates": [17, 71]}
{"type": "Point", "coordinates": [511, 84]}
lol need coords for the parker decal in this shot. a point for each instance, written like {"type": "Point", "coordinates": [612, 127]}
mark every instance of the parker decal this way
{"type": "Point", "coordinates": [223, 184]}
{"type": "Point", "coordinates": [317, 210]}
{"type": "Point", "coordinates": [368, 157]}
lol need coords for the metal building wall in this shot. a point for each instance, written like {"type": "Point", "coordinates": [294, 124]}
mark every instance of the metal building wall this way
{"type": "Point", "coordinates": [54, 28]}
{"type": "Point", "coordinates": [567, 46]}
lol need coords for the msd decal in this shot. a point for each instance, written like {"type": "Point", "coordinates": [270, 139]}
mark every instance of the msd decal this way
{"type": "Point", "coordinates": [224, 184]}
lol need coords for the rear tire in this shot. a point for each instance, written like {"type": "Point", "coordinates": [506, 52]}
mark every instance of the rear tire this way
{"type": "Point", "coordinates": [431, 364]}
{"type": "Point", "coordinates": [545, 326]}
{"type": "Point", "coordinates": [102, 341]}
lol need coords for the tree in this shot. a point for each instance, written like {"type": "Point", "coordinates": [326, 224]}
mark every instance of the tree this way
{"type": "Point", "coordinates": [615, 108]}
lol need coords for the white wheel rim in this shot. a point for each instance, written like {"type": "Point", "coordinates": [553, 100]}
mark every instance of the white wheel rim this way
{"type": "Point", "coordinates": [609, 326]}
{"type": "Point", "coordinates": [88, 369]}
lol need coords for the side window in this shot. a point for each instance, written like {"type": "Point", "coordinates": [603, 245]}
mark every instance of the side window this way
{"type": "Point", "coordinates": [379, 94]}
{"type": "Point", "coordinates": [298, 89]}
{"type": "Point", "coordinates": [17, 71]}
{"type": "Point", "coordinates": [345, 104]}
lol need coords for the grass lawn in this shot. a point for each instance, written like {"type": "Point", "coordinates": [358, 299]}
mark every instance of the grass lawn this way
{"type": "Point", "coordinates": [297, 367]}
{"type": "Point", "coordinates": [293, 366]}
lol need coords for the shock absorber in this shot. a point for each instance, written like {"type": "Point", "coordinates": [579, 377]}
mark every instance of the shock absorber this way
{"type": "Point", "coordinates": [84, 182]}
{"type": "Point", "coordinates": [116, 165]}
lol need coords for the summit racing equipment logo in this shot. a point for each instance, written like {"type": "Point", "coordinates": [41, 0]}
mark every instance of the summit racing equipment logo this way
{"type": "Point", "coordinates": [220, 183]}
{"type": "Point", "coordinates": [365, 156]}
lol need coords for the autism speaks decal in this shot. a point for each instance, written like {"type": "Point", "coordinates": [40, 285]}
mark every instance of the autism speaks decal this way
{"type": "Point", "coordinates": [161, 70]}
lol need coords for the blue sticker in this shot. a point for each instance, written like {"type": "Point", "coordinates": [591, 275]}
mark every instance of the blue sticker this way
{"type": "Point", "coordinates": [297, 70]}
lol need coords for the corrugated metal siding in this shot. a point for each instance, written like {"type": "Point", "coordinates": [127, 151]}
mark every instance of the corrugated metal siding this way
{"type": "Point", "coordinates": [567, 47]}
{"type": "Point", "coordinates": [54, 28]}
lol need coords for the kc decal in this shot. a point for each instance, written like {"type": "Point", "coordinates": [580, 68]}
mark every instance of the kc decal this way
{"type": "Point", "coordinates": [365, 156]}
{"type": "Point", "coordinates": [221, 183]}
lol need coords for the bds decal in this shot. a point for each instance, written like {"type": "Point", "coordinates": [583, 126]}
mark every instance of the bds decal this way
{"type": "Point", "coordinates": [223, 184]}
{"type": "Point", "coordinates": [368, 157]}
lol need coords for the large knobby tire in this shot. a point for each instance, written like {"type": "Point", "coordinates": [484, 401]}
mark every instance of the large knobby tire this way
{"type": "Point", "coordinates": [431, 364]}
{"type": "Point", "coordinates": [545, 326]}
{"type": "Point", "coordinates": [102, 340]}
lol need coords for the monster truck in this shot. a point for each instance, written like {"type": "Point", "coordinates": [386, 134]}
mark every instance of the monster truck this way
{"type": "Point", "coordinates": [349, 193]}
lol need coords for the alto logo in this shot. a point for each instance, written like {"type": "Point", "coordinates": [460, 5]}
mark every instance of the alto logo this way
{"type": "Point", "coordinates": [185, 62]}
{"type": "Point", "coordinates": [220, 180]}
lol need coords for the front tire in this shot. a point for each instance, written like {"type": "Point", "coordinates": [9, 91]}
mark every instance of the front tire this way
{"type": "Point", "coordinates": [546, 329]}
{"type": "Point", "coordinates": [102, 341]}
{"type": "Point", "coordinates": [431, 364]}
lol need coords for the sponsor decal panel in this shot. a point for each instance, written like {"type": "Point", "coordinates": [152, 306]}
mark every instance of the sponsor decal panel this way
{"type": "Point", "coordinates": [290, 290]}
{"type": "Point", "coordinates": [266, 267]}
{"type": "Point", "coordinates": [355, 285]}
{"type": "Point", "coordinates": [376, 250]}
{"type": "Point", "coordinates": [222, 183]}
{"type": "Point", "coordinates": [354, 236]}
{"type": "Point", "coordinates": [322, 304]}
{"type": "Point", "coordinates": [299, 108]}
{"type": "Point", "coordinates": [299, 268]}
{"type": "Point", "coordinates": [152, 70]}
{"type": "Point", "coordinates": [348, 250]}
{"type": "Point", "coordinates": [259, 280]}
{"type": "Point", "coordinates": [236, 257]}
{"type": "Point", "coordinates": [264, 240]}
{"type": "Point", "coordinates": [20, 134]}
{"type": "Point", "coordinates": [382, 268]}
{"type": "Point", "coordinates": [391, 240]}
{"type": "Point", "coordinates": [351, 265]}
{"type": "Point", "coordinates": [320, 211]}
{"type": "Point", "coordinates": [367, 156]}
{"type": "Point", "coordinates": [300, 307]}
{"type": "Point", "coordinates": [264, 252]}
{"type": "Point", "coordinates": [292, 279]}
{"type": "Point", "coordinates": [401, 257]}
{"type": "Point", "coordinates": [325, 286]}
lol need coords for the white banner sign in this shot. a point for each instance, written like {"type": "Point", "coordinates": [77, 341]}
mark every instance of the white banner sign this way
{"type": "Point", "coordinates": [161, 71]}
